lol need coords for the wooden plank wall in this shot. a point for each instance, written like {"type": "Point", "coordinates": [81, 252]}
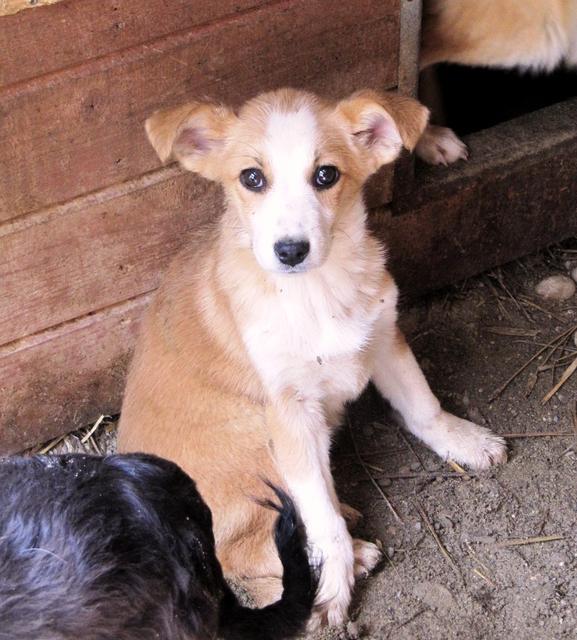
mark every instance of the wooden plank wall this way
{"type": "Point", "coordinates": [88, 219]}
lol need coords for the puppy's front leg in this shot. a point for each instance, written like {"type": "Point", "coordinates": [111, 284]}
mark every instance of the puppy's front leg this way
{"type": "Point", "coordinates": [400, 379]}
{"type": "Point", "coordinates": [301, 441]}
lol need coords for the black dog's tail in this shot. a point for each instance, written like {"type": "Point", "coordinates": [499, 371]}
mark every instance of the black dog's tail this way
{"type": "Point", "coordinates": [288, 616]}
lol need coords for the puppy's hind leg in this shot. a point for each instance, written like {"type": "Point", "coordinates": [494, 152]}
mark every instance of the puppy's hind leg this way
{"type": "Point", "coordinates": [251, 559]}
{"type": "Point", "coordinates": [367, 555]}
{"type": "Point", "coordinates": [351, 515]}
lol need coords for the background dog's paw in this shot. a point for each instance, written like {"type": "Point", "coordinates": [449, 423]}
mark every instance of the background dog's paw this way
{"type": "Point", "coordinates": [351, 515]}
{"type": "Point", "coordinates": [440, 145]}
{"type": "Point", "coordinates": [367, 556]}
{"type": "Point", "coordinates": [469, 444]}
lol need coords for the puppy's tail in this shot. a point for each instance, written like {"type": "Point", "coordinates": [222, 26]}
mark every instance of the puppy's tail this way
{"type": "Point", "coordinates": [288, 616]}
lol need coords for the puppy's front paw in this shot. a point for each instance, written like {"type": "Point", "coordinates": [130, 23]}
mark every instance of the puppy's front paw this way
{"type": "Point", "coordinates": [336, 581]}
{"type": "Point", "coordinates": [340, 567]}
{"type": "Point", "coordinates": [440, 145]}
{"type": "Point", "coordinates": [367, 556]}
{"type": "Point", "coordinates": [468, 443]}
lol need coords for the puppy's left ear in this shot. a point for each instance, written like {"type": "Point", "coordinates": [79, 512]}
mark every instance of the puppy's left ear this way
{"type": "Point", "coordinates": [381, 124]}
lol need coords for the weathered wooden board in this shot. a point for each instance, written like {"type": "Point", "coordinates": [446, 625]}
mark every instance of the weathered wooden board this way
{"type": "Point", "coordinates": [9, 7]}
{"type": "Point", "coordinates": [97, 250]}
{"type": "Point", "coordinates": [71, 32]}
{"type": "Point", "coordinates": [517, 193]}
{"type": "Point", "coordinates": [63, 378]}
{"type": "Point", "coordinates": [79, 130]}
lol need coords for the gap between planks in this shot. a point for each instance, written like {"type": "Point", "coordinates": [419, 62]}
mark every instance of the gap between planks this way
{"type": "Point", "coordinates": [137, 52]}
{"type": "Point", "coordinates": [77, 324]}
{"type": "Point", "coordinates": [118, 190]}
{"type": "Point", "coordinates": [132, 54]}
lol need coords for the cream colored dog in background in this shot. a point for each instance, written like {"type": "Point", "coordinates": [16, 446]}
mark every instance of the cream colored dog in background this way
{"type": "Point", "coordinates": [531, 35]}
{"type": "Point", "coordinates": [271, 320]}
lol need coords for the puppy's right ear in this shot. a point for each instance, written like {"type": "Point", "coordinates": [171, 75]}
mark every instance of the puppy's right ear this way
{"type": "Point", "coordinates": [193, 134]}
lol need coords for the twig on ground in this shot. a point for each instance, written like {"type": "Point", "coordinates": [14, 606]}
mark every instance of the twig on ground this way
{"type": "Point", "coordinates": [518, 542]}
{"type": "Point", "coordinates": [475, 557]}
{"type": "Point", "coordinates": [513, 331]}
{"type": "Point", "coordinates": [569, 371]}
{"type": "Point", "coordinates": [413, 451]}
{"type": "Point", "coordinates": [498, 299]}
{"type": "Point", "coordinates": [557, 362]}
{"type": "Point", "coordinates": [456, 467]}
{"type": "Point", "coordinates": [532, 379]}
{"type": "Point", "coordinates": [93, 428]}
{"type": "Point", "coordinates": [436, 538]}
{"type": "Point", "coordinates": [375, 452]}
{"type": "Point", "coordinates": [411, 619]}
{"type": "Point", "coordinates": [370, 475]}
{"type": "Point", "coordinates": [547, 312]}
{"type": "Point", "coordinates": [425, 475]}
{"type": "Point", "coordinates": [522, 368]}
{"type": "Point", "coordinates": [537, 343]}
{"type": "Point", "coordinates": [374, 467]}
{"type": "Point", "coordinates": [520, 307]}
{"type": "Point", "coordinates": [95, 446]}
{"type": "Point", "coordinates": [51, 445]}
{"type": "Point", "coordinates": [484, 577]}
{"type": "Point", "coordinates": [538, 434]}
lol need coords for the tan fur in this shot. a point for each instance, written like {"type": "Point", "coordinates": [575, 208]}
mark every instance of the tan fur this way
{"type": "Point", "coordinates": [408, 114]}
{"type": "Point", "coordinates": [199, 390]}
{"type": "Point", "coordinates": [534, 35]}
{"type": "Point", "coordinates": [172, 138]}
{"type": "Point", "coordinates": [530, 34]}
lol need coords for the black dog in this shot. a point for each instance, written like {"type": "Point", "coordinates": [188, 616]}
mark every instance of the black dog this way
{"type": "Point", "coordinates": [121, 548]}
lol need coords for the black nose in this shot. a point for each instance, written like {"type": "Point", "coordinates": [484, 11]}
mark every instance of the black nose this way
{"type": "Point", "coordinates": [291, 252]}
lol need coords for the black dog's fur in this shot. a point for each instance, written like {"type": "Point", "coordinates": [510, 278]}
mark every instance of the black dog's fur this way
{"type": "Point", "coordinates": [121, 548]}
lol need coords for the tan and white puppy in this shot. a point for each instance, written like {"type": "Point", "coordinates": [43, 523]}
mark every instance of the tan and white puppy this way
{"type": "Point", "coordinates": [268, 322]}
{"type": "Point", "coordinates": [531, 35]}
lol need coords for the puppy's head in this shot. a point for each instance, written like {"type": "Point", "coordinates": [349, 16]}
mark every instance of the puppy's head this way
{"type": "Point", "coordinates": [292, 165]}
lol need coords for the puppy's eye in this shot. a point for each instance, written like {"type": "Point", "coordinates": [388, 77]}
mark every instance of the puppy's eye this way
{"type": "Point", "coordinates": [253, 179]}
{"type": "Point", "coordinates": [325, 176]}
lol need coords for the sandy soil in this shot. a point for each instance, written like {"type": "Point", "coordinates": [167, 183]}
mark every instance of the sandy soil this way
{"type": "Point", "coordinates": [470, 340]}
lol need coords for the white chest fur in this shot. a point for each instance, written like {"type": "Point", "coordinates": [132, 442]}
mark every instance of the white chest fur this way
{"type": "Point", "coordinates": [310, 336]}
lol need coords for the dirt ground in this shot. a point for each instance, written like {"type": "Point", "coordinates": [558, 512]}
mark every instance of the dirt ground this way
{"type": "Point", "coordinates": [456, 567]}
{"type": "Point", "coordinates": [470, 340]}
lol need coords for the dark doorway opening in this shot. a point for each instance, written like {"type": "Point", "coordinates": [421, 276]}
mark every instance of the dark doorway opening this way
{"type": "Point", "coordinates": [473, 98]}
